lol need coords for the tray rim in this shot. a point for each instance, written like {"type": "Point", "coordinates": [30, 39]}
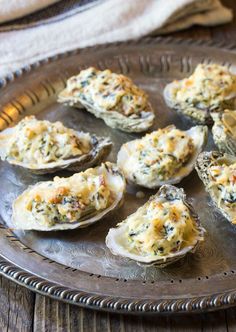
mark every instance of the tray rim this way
{"type": "Point", "coordinates": [103, 302]}
{"type": "Point", "coordinates": [87, 300]}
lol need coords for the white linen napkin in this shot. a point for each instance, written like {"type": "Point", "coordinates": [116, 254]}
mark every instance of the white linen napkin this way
{"type": "Point", "coordinates": [109, 21]}
{"type": "Point", "coordinates": [12, 9]}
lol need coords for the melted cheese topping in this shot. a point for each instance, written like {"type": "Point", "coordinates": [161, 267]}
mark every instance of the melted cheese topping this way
{"type": "Point", "coordinates": [108, 91]}
{"type": "Point", "coordinates": [67, 200]}
{"type": "Point", "coordinates": [40, 142]}
{"type": "Point", "coordinates": [223, 178]}
{"type": "Point", "coordinates": [207, 87]}
{"type": "Point", "coordinates": [164, 228]}
{"type": "Point", "coordinates": [160, 154]}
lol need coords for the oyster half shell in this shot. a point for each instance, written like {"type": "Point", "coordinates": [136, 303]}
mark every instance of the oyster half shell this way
{"type": "Point", "coordinates": [223, 199]}
{"type": "Point", "coordinates": [148, 177]}
{"type": "Point", "coordinates": [109, 96]}
{"type": "Point", "coordinates": [213, 92]}
{"type": "Point", "coordinates": [97, 149]}
{"type": "Point", "coordinates": [27, 217]}
{"type": "Point", "coordinates": [120, 239]}
{"type": "Point", "coordinates": [224, 131]}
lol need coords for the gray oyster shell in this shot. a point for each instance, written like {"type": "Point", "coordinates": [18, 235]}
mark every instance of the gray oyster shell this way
{"type": "Point", "coordinates": [199, 136]}
{"type": "Point", "coordinates": [224, 139]}
{"type": "Point", "coordinates": [114, 119]}
{"type": "Point", "coordinates": [22, 219]}
{"type": "Point", "coordinates": [101, 147]}
{"type": "Point", "coordinates": [114, 237]}
{"type": "Point", "coordinates": [204, 162]}
{"type": "Point", "coordinates": [199, 114]}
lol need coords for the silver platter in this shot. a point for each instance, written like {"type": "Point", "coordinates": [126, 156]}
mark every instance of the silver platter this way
{"type": "Point", "coordinates": [75, 266]}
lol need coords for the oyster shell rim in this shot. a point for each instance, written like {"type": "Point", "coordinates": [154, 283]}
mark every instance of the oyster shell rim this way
{"type": "Point", "coordinates": [225, 142]}
{"type": "Point", "coordinates": [205, 113]}
{"type": "Point", "coordinates": [202, 164]}
{"type": "Point", "coordinates": [113, 119]}
{"type": "Point", "coordinates": [112, 169]}
{"type": "Point", "coordinates": [99, 151]}
{"type": "Point", "coordinates": [198, 149]}
{"type": "Point", "coordinates": [166, 191]}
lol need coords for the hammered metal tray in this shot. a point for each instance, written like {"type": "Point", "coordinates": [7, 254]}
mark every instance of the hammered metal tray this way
{"type": "Point", "coordinates": [75, 266]}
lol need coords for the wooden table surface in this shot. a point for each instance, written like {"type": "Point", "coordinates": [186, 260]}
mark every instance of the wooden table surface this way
{"type": "Point", "coordinates": [22, 310]}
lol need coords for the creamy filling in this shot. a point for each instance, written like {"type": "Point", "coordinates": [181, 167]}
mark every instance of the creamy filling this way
{"type": "Point", "coordinates": [223, 180]}
{"type": "Point", "coordinates": [208, 87]}
{"type": "Point", "coordinates": [68, 200]}
{"type": "Point", "coordinates": [42, 142]}
{"type": "Point", "coordinates": [109, 91]}
{"type": "Point", "coordinates": [159, 154]}
{"type": "Point", "coordinates": [164, 228]}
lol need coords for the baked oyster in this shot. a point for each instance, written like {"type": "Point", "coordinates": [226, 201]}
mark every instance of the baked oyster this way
{"type": "Point", "coordinates": [45, 147]}
{"type": "Point", "coordinates": [224, 131]}
{"type": "Point", "coordinates": [164, 156]}
{"type": "Point", "coordinates": [211, 88]}
{"type": "Point", "coordinates": [68, 203]}
{"type": "Point", "coordinates": [218, 173]}
{"type": "Point", "coordinates": [111, 97]}
{"type": "Point", "coordinates": [160, 232]}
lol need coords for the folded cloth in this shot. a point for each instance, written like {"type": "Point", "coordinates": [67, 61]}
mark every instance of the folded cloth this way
{"type": "Point", "coordinates": [12, 9]}
{"type": "Point", "coordinates": [108, 21]}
